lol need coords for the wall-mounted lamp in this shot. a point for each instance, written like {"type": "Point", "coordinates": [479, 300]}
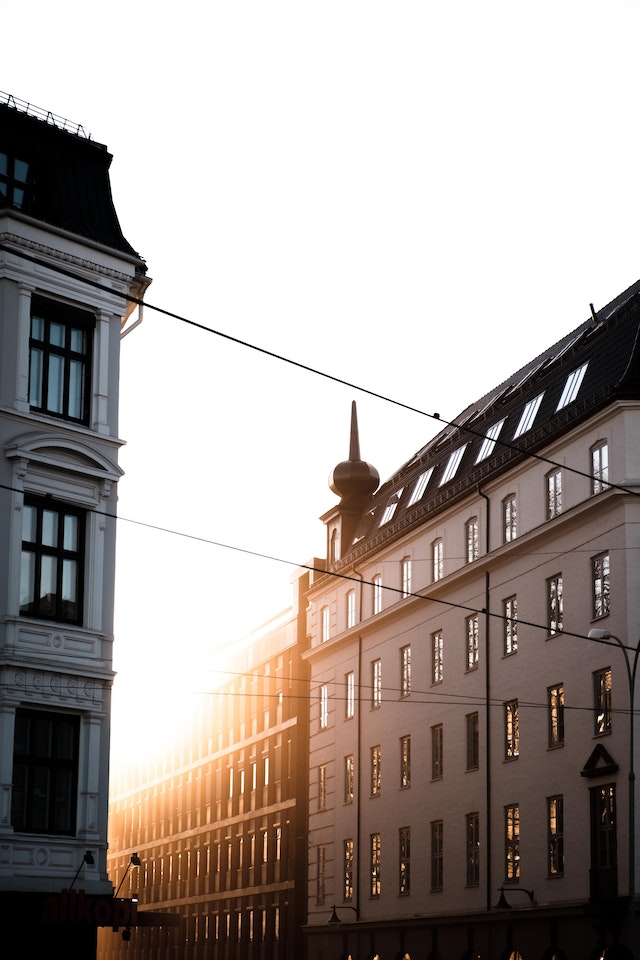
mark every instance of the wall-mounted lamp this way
{"type": "Point", "coordinates": [135, 861]}
{"type": "Point", "coordinates": [334, 918]}
{"type": "Point", "coordinates": [89, 860]}
{"type": "Point", "coordinates": [503, 903]}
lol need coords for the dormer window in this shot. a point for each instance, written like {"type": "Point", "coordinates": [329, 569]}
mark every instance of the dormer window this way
{"type": "Point", "coordinates": [489, 441]}
{"type": "Point", "coordinates": [453, 464]}
{"type": "Point", "coordinates": [571, 387]}
{"type": "Point", "coordinates": [421, 485]}
{"type": "Point", "coordinates": [391, 507]}
{"type": "Point", "coordinates": [528, 416]}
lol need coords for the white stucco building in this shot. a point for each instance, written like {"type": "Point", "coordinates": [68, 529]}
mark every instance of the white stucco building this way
{"type": "Point", "coordinates": [67, 276]}
{"type": "Point", "coordinates": [469, 742]}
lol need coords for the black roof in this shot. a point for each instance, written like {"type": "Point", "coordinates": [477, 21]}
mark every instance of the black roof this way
{"type": "Point", "coordinates": [67, 180]}
{"type": "Point", "coordinates": [590, 367]}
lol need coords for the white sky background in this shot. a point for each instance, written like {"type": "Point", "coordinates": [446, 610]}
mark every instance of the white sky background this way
{"type": "Point", "coordinates": [415, 197]}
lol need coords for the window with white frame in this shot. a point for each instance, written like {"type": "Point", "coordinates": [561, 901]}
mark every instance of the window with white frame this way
{"type": "Point", "coordinates": [405, 576]}
{"type": "Point", "coordinates": [528, 416]}
{"type": "Point", "coordinates": [437, 558]}
{"type": "Point", "coordinates": [601, 585]}
{"type": "Point", "coordinates": [437, 657]}
{"type": "Point", "coordinates": [572, 386]}
{"type": "Point", "coordinates": [599, 467]}
{"type": "Point", "coordinates": [489, 441]}
{"type": "Point", "coordinates": [377, 593]}
{"type": "Point", "coordinates": [452, 465]}
{"type": "Point", "coordinates": [554, 494]}
{"type": "Point", "coordinates": [509, 518]}
{"type": "Point", "coordinates": [350, 695]}
{"type": "Point", "coordinates": [472, 538]}
{"type": "Point", "coordinates": [351, 609]}
{"type": "Point", "coordinates": [325, 624]}
{"type": "Point", "coordinates": [324, 706]}
{"type": "Point", "coordinates": [555, 604]}
{"type": "Point", "coordinates": [420, 486]}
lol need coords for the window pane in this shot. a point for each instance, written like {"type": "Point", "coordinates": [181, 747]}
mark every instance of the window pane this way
{"type": "Point", "coordinates": [49, 528]}
{"type": "Point", "coordinates": [56, 334]}
{"type": "Point", "coordinates": [55, 385]}
{"type": "Point", "coordinates": [27, 580]}
{"type": "Point", "coordinates": [35, 378]}
{"type": "Point", "coordinates": [77, 340]}
{"type": "Point", "coordinates": [70, 541]}
{"type": "Point", "coordinates": [48, 581]}
{"type": "Point", "coordinates": [69, 591]}
{"type": "Point", "coordinates": [29, 518]}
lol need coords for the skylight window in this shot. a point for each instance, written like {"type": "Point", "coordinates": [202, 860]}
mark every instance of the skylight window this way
{"type": "Point", "coordinates": [453, 464]}
{"type": "Point", "coordinates": [489, 441]}
{"type": "Point", "coordinates": [420, 487]}
{"type": "Point", "coordinates": [571, 387]}
{"type": "Point", "coordinates": [528, 416]}
{"type": "Point", "coordinates": [391, 507]}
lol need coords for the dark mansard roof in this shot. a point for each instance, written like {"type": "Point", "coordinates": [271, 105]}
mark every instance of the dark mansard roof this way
{"type": "Point", "coordinates": [57, 176]}
{"type": "Point", "coordinates": [590, 367]}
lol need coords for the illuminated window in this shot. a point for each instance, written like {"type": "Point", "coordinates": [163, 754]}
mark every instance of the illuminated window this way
{"type": "Point", "coordinates": [405, 576]}
{"type": "Point", "coordinates": [472, 537]}
{"type": "Point", "coordinates": [349, 775]}
{"type": "Point", "coordinates": [324, 706]}
{"type": "Point", "coordinates": [512, 730]}
{"type": "Point", "coordinates": [347, 885]}
{"type": "Point", "coordinates": [437, 557]}
{"type": "Point", "coordinates": [472, 630]}
{"type": "Point", "coordinates": [555, 604]}
{"type": "Point", "coordinates": [509, 518]}
{"type": "Point", "coordinates": [404, 860]}
{"type": "Point", "coordinates": [350, 696]}
{"type": "Point", "coordinates": [405, 761]}
{"type": "Point", "coordinates": [602, 701]}
{"type": "Point", "coordinates": [601, 585]}
{"type": "Point", "coordinates": [322, 787]}
{"type": "Point", "coordinates": [555, 701]}
{"type": "Point", "coordinates": [512, 842]}
{"type": "Point", "coordinates": [437, 657]}
{"type": "Point", "coordinates": [325, 624]}
{"type": "Point", "coordinates": [376, 684]}
{"type": "Point", "coordinates": [554, 494]}
{"type": "Point", "coordinates": [376, 771]}
{"type": "Point", "coordinates": [375, 861]}
{"type": "Point", "coordinates": [555, 836]}
{"type": "Point", "coordinates": [599, 467]}
{"type": "Point", "coordinates": [351, 609]}
{"type": "Point", "coordinates": [510, 610]}
{"type": "Point", "coordinates": [405, 671]}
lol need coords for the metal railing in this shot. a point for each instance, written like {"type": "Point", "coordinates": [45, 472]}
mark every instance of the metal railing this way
{"type": "Point", "coordinates": [45, 115]}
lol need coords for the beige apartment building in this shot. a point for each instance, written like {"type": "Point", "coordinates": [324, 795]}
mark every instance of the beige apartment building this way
{"type": "Point", "coordinates": [469, 749]}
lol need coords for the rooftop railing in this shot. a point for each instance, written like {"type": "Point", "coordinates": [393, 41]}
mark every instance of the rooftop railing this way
{"type": "Point", "coordinates": [45, 115]}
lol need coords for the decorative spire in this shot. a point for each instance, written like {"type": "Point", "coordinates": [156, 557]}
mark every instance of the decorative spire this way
{"type": "Point", "coordinates": [353, 479]}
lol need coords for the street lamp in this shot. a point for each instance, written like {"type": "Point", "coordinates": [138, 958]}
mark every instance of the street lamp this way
{"type": "Point", "coordinates": [334, 918]}
{"type": "Point", "coordinates": [89, 860]}
{"type": "Point", "coordinates": [503, 903]}
{"type": "Point", "coordinates": [632, 667]}
{"type": "Point", "coordinates": [135, 861]}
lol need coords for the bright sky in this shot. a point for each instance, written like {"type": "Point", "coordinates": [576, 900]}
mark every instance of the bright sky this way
{"type": "Point", "coordinates": [414, 197]}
